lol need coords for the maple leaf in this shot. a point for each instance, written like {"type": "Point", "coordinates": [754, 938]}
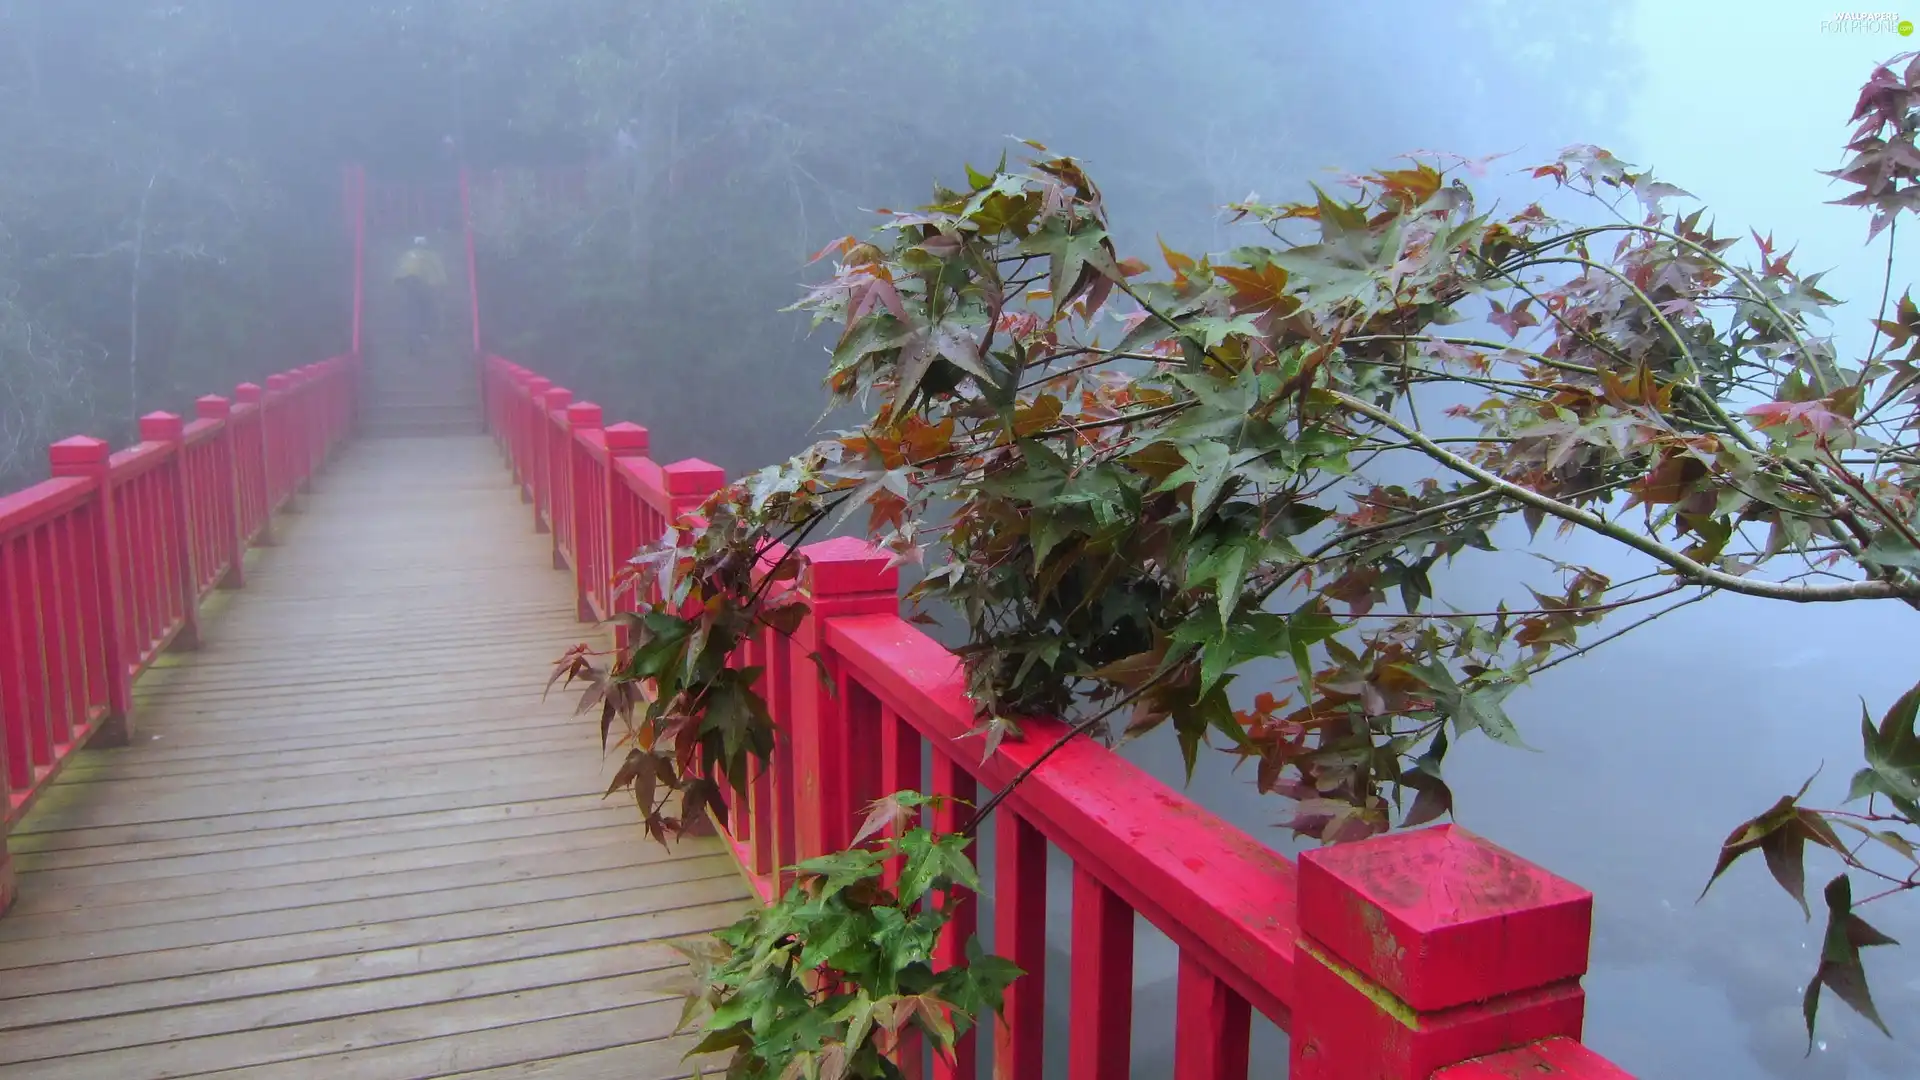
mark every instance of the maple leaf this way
{"type": "Point", "coordinates": [1261, 293]}
{"type": "Point", "coordinates": [1815, 416]}
{"type": "Point", "coordinates": [898, 811]}
{"type": "Point", "coordinates": [1512, 320]}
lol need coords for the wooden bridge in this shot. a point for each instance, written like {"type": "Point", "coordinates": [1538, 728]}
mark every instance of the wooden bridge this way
{"type": "Point", "coordinates": [283, 799]}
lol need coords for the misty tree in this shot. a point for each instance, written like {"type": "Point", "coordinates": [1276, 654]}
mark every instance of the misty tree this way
{"type": "Point", "coordinates": [132, 220]}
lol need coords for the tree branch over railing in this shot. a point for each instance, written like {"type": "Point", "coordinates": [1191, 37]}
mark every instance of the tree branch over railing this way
{"type": "Point", "coordinates": [1127, 521]}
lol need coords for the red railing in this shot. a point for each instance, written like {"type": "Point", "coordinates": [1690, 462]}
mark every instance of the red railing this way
{"type": "Point", "coordinates": [1426, 953]}
{"type": "Point", "coordinates": [105, 565]}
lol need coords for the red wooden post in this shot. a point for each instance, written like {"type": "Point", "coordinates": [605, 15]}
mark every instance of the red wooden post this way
{"type": "Point", "coordinates": [1212, 1025]}
{"type": "Point", "coordinates": [556, 471]}
{"type": "Point", "coordinates": [582, 417]}
{"type": "Point", "coordinates": [843, 576]}
{"type": "Point", "coordinates": [950, 778]}
{"type": "Point", "coordinates": [1425, 949]}
{"type": "Point", "coordinates": [525, 453]}
{"type": "Point", "coordinates": [253, 462]}
{"type": "Point", "coordinates": [279, 430]}
{"type": "Point", "coordinates": [1100, 999]}
{"type": "Point", "coordinates": [165, 427]}
{"type": "Point", "coordinates": [691, 482]}
{"type": "Point", "coordinates": [1020, 935]}
{"type": "Point", "coordinates": [624, 440]}
{"type": "Point", "coordinates": [104, 602]}
{"type": "Point", "coordinates": [215, 407]}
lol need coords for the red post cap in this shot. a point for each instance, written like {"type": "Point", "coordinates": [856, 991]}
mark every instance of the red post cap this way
{"type": "Point", "coordinates": [1440, 917]}
{"type": "Point", "coordinates": [628, 438]}
{"type": "Point", "coordinates": [847, 565]}
{"type": "Point", "coordinates": [583, 416]}
{"type": "Point", "coordinates": [78, 456]}
{"type": "Point", "coordinates": [161, 427]}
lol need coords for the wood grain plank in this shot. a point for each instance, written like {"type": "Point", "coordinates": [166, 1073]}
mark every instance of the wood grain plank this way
{"type": "Point", "coordinates": [313, 879]}
{"type": "Point", "coordinates": [385, 1028]}
{"type": "Point", "coordinates": [510, 1049]}
{"type": "Point", "coordinates": [97, 973]}
{"type": "Point", "coordinates": [366, 966]}
{"type": "Point", "coordinates": [87, 847]}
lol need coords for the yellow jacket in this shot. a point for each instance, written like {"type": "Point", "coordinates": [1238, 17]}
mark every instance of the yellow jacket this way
{"type": "Point", "coordinates": [423, 264]}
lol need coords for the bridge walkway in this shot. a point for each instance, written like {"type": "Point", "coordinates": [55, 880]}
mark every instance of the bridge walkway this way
{"type": "Point", "coordinates": [349, 838]}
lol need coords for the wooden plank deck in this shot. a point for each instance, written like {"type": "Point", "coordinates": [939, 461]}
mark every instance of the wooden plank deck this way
{"type": "Point", "coordinates": [350, 840]}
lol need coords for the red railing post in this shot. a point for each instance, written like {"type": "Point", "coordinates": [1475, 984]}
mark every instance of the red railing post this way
{"type": "Point", "coordinates": [1424, 949]}
{"type": "Point", "coordinates": [583, 417]}
{"type": "Point", "coordinates": [691, 482]}
{"type": "Point", "coordinates": [253, 464]}
{"type": "Point", "coordinates": [555, 468]}
{"type": "Point", "coordinates": [103, 602]}
{"type": "Point", "coordinates": [536, 449]}
{"type": "Point", "coordinates": [214, 407]}
{"type": "Point", "coordinates": [624, 440]}
{"type": "Point", "coordinates": [166, 428]}
{"type": "Point", "coordinates": [843, 576]}
{"type": "Point", "coordinates": [278, 430]}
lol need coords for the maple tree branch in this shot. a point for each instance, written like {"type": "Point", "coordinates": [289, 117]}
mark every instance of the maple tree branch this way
{"type": "Point", "coordinates": [1886, 290]}
{"type": "Point", "coordinates": [1623, 630]}
{"type": "Point", "coordinates": [1687, 568]}
{"type": "Point", "coordinates": [1080, 728]}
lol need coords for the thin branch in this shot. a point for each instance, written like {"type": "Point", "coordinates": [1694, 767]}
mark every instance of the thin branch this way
{"type": "Point", "coordinates": [1687, 568]}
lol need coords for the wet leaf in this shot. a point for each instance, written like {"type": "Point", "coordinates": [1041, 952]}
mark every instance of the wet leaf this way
{"type": "Point", "coordinates": [1840, 968]}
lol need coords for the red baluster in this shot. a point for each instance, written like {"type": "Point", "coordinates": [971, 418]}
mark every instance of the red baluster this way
{"type": "Point", "coordinates": [950, 778]}
{"type": "Point", "coordinates": [625, 441]}
{"type": "Point", "coordinates": [251, 467]}
{"type": "Point", "coordinates": [556, 474]}
{"type": "Point", "coordinates": [584, 538]}
{"type": "Point", "coordinates": [224, 491]}
{"type": "Point", "coordinates": [1020, 935]}
{"type": "Point", "coordinates": [1212, 1026]}
{"type": "Point", "coordinates": [1100, 998]}
{"type": "Point", "coordinates": [103, 596]}
{"type": "Point", "coordinates": [176, 523]}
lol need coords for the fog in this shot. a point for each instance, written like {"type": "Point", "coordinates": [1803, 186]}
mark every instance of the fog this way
{"type": "Point", "coordinates": [169, 207]}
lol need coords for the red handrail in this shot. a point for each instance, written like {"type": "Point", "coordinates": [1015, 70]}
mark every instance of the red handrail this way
{"type": "Point", "coordinates": [1407, 956]}
{"type": "Point", "coordinates": [105, 565]}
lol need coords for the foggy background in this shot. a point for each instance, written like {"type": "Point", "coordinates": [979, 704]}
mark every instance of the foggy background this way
{"type": "Point", "coordinates": [170, 225]}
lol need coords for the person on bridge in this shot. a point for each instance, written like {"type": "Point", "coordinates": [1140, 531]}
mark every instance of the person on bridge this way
{"type": "Point", "coordinates": [421, 275]}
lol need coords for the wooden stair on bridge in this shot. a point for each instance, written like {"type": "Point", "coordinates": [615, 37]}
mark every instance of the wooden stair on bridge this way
{"type": "Point", "coordinates": [350, 839]}
{"type": "Point", "coordinates": [436, 392]}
